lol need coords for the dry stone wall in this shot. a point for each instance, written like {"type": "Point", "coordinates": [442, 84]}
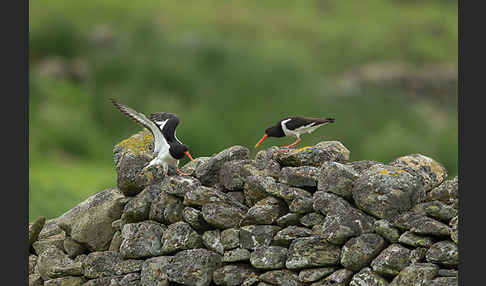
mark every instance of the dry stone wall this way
{"type": "Point", "coordinates": [306, 216]}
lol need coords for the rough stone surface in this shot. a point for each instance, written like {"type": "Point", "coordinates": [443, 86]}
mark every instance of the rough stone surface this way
{"type": "Point", "coordinates": [166, 209]}
{"type": "Point", "coordinates": [280, 277]}
{"type": "Point", "coordinates": [270, 257]}
{"type": "Point", "coordinates": [131, 156]}
{"type": "Point", "coordinates": [447, 192]}
{"type": "Point", "coordinates": [179, 185]}
{"type": "Point", "coordinates": [415, 240]}
{"type": "Point", "coordinates": [385, 228]}
{"type": "Point", "coordinates": [195, 218]}
{"type": "Point", "coordinates": [312, 252]}
{"type": "Point", "coordinates": [65, 281]}
{"type": "Point", "coordinates": [421, 224]}
{"type": "Point", "coordinates": [208, 172]}
{"type": "Point", "coordinates": [256, 236]}
{"type": "Point", "coordinates": [285, 236]}
{"type": "Point", "coordinates": [454, 229]}
{"type": "Point", "coordinates": [314, 274]}
{"type": "Point", "coordinates": [304, 176]}
{"type": "Point", "coordinates": [35, 229]}
{"type": "Point", "coordinates": [180, 236]}
{"type": "Point", "coordinates": [430, 171]}
{"type": "Point", "coordinates": [416, 274]}
{"type": "Point", "coordinates": [233, 174]}
{"type": "Point", "coordinates": [222, 216]}
{"type": "Point", "coordinates": [237, 254]}
{"type": "Point", "coordinates": [391, 260]}
{"type": "Point", "coordinates": [230, 238]}
{"type": "Point", "coordinates": [54, 263]}
{"type": "Point", "coordinates": [232, 275]}
{"type": "Point", "coordinates": [386, 191]}
{"type": "Point", "coordinates": [312, 155]}
{"type": "Point", "coordinates": [367, 277]}
{"type": "Point", "coordinates": [340, 277]}
{"type": "Point", "coordinates": [94, 215]}
{"type": "Point", "coordinates": [109, 263]}
{"type": "Point", "coordinates": [444, 253]}
{"type": "Point", "coordinates": [193, 267]}
{"type": "Point", "coordinates": [337, 178]}
{"type": "Point", "coordinates": [360, 251]}
{"type": "Point", "coordinates": [212, 241]}
{"type": "Point", "coordinates": [265, 211]}
{"type": "Point", "coordinates": [151, 272]}
{"type": "Point", "coordinates": [142, 239]}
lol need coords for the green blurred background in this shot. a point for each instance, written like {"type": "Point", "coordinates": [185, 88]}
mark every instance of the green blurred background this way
{"type": "Point", "coordinates": [386, 70]}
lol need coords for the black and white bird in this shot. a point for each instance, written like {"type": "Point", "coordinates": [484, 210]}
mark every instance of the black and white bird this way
{"type": "Point", "coordinates": [294, 126]}
{"type": "Point", "coordinates": [168, 150]}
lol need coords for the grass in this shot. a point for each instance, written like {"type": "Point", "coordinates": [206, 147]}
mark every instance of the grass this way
{"type": "Point", "coordinates": [229, 70]}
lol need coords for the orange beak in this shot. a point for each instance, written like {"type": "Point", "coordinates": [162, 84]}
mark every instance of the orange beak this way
{"type": "Point", "coordinates": [189, 155]}
{"type": "Point", "coordinates": [261, 140]}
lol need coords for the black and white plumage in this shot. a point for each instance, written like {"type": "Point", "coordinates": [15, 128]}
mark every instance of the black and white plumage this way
{"type": "Point", "coordinates": [294, 126]}
{"type": "Point", "coordinates": [168, 149]}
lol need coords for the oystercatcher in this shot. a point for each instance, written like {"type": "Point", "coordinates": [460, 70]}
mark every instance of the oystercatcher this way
{"type": "Point", "coordinates": [168, 150]}
{"type": "Point", "coordinates": [294, 126]}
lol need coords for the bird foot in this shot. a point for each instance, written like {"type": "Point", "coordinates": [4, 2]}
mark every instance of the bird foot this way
{"type": "Point", "coordinates": [182, 173]}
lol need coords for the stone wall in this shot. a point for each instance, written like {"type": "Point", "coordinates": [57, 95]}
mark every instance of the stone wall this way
{"type": "Point", "coordinates": [306, 216]}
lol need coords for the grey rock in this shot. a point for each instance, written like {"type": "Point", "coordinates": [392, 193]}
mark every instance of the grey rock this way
{"type": "Point", "coordinates": [430, 171]}
{"type": "Point", "coordinates": [54, 263]}
{"type": "Point", "coordinates": [35, 280]}
{"type": "Point", "coordinates": [312, 155]}
{"type": "Point", "coordinates": [265, 211]}
{"type": "Point", "coordinates": [233, 174]}
{"type": "Point", "coordinates": [116, 242]}
{"type": "Point", "coordinates": [131, 156]}
{"type": "Point", "coordinates": [285, 236]}
{"type": "Point", "coordinates": [131, 279]}
{"type": "Point", "coordinates": [387, 191]}
{"type": "Point", "coordinates": [222, 216]}
{"type": "Point", "coordinates": [314, 274]}
{"type": "Point", "coordinates": [270, 257]}
{"type": "Point", "coordinates": [232, 275]}
{"type": "Point", "coordinates": [280, 277]}
{"type": "Point", "coordinates": [265, 163]}
{"type": "Point", "coordinates": [289, 219]}
{"type": "Point", "coordinates": [342, 221]}
{"type": "Point", "coordinates": [454, 229]}
{"type": "Point", "coordinates": [195, 218]}
{"type": "Point", "coordinates": [109, 263]}
{"type": "Point", "coordinates": [56, 240]}
{"type": "Point", "coordinates": [35, 228]}
{"type": "Point", "coordinates": [117, 224]}
{"type": "Point", "coordinates": [311, 219]}
{"type": "Point", "coordinates": [256, 236]}
{"type": "Point", "coordinates": [443, 253]}
{"type": "Point", "coordinates": [152, 274]}
{"type": "Point", "coordinates": [298, 200]}
{"type": "Point", "coordinates": [94, 215]}
{"type": "Point", "coordinates": [255, 188]}
{"type": "Point", "coordinates": [230, 238]}
{"type": "Point", "coordinates": [418, 255]}
{"type": "Point", "coordinates": [340, 277]}
{"type": "Point", "coordinates": [208, 172]}
{"type": "Point", "coordinates": [415, 240]}
{"type": "Point", "coordinates": [65, 281]}
{"type": "Point", "coordinates": [304, 176]}
{"type": "Point", "coordinates": [443, 281]}
{"type": "Point", "coordinates": [361, 166]}
{"type": "Point", "coordinates": [391, 260]}
{"type": "Point", "coordinates": [212, 240]}
{"type": "Point", "coordinates": [385, 228]}
{"type": "Point", "coordinates": [179, 185]}
{"type": "Point", "coordinates": [421, 224]}
{"type": "Point", "coordinates": [50, 228]}
{"type": "Point", "coordinates": [137, 209]}
{"type": "Point", "coordinates": [368, 278]}
{"type": "Point", "coordinates": [72, 248]}
{"type": "Point", "coordinates": [203, 195]}
{"type": "Point", "coordinates": [235, 255]}
{"type": "Point", "coordinates": [415, 274]}
{"type": "Point", "coordinates": [237, 196]}
{"type": "Point", "coordinates": [447, 192]}
{"type": "Point", "coordinates": [312, 252]}
{"type": "Point", "coordinates": [104, 281]}
{"type": "Point", "coordinates": [193, 267]}
{"type": "Point", "coordinates": [166, 209]}
{"type": "Point", "coordinates": [191, 166]}
{"type": "Point", "coordinates": [141, 240]}
{"type": "Point", "coordinates": [447, 273]}
{"type": "Point", "coordinates": [32, 263]}
{"type": "Point", "coordinates": [436, 209]}
{"type": "Point", "coordinates": [180, 236]}
{"type": "Point", "coordinates": [358, 252]}
{"type": "Point", "coordinates": [337, 178]}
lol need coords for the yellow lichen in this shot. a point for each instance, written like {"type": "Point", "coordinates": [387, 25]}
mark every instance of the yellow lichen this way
{"type": "Point", "coordinates": [138, 144]}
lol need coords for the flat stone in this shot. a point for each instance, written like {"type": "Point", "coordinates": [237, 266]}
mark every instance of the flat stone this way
{"type": "Point", "coordinates": [312, 252]}
{"type": "Point", "coordinates": [179, 185]}
{"type": "Point", "coordinates": [212, 240]}
{"type": "Point", "coordinates": [270, 257]}
{"type": "Point", "coordinates": [142, 240]}
{"type": "Point", "coordinates": [444, 253]}
{"type": "Point", "coordinates": [265, 211]}
{"type": "Point", "coordinates": [180, 236]}
{"type": "Point", "coordinates": [391, 260]}
{"type": "Point", "coordinates": [312, 155]}
{"type": "Point", "coordinates": [65, 281]}
{"type": "Point", "coordinates": [367, 277]}
{"type": "Point", "coordinates": [359, 251]}
{"type": "Point", "coordinates": [416, 274]}
{"type": "Point", "coordinates": [340, 277]}
{"type": "Point", "coordinates": [415, 240]}
{"type": "Point", "coordinates": [54, 263]}
{"type": "Point", "coordinates": [289, 219]}
{"type": "Point", "coordinates": [109, 263]}
{"type": "Point", "coordinates": [232, 275]}
{"type": "Point", "coordinates": [285, 236]}
{"type": "Point", "coordinates": [314, 274]}
{"type": "Point", "coordinates": [222, 216]}
{"type": "Point", "coordinates": [256, 236]}
{"type": "Point", "coordinates": [235, 255]}
{"type": "Point", "coordinates": [304, 176]}
{"type": "Point", "coordinates": [151, 273]}
{"type": "Point", "coordinates": [385, 228]}
{"type": "Point", "coordinates": [280, 277]}
{"type": "Point", "coordinates": [430, 171]}
{"type": "Point", "coordinates": [337, 178]}
{"type": "Point", "coordinates": [195, 218]}
{"type": "Point", "coordinates": [230, 238]}
{"type": "Point", "coordinates": [420, 224]}
{"type": "Point", "coordinates": [311, 219]}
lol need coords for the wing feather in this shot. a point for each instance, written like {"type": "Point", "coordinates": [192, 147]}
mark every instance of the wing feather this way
{"type": "Point", "coordinates": [159, 141]}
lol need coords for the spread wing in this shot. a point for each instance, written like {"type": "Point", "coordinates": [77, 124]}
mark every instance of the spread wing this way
{"type": "Point", "coordinates": [159, 140]}
{"type": "Point", "coordinates": [298, 122]}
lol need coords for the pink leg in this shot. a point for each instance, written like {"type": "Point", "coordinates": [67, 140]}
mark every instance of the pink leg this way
{"type": "Point", "coordinates": [293, 144]}
{"type": "Point", "coordinates": [180, 172]}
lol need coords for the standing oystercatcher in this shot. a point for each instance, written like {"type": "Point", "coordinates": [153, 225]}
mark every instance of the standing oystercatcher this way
{"type": "Point", "coordinates": [168, 150]}
{"type": "Point", "coordinates": [294, 126]}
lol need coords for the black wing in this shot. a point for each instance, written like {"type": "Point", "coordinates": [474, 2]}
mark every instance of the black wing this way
{"type": "Point", "coordinates": [167, 123]}
{"type": "Point", "coordinates": [298, 121]}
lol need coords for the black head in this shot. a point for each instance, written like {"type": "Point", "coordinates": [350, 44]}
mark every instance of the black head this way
{"type": "Point", "coordinates": [275, 131]}
{"type": "Point", "coordinates": [177, 150]}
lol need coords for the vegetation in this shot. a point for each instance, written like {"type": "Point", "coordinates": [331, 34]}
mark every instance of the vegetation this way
{"type": "Point", "coordinates": [229, 70]}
